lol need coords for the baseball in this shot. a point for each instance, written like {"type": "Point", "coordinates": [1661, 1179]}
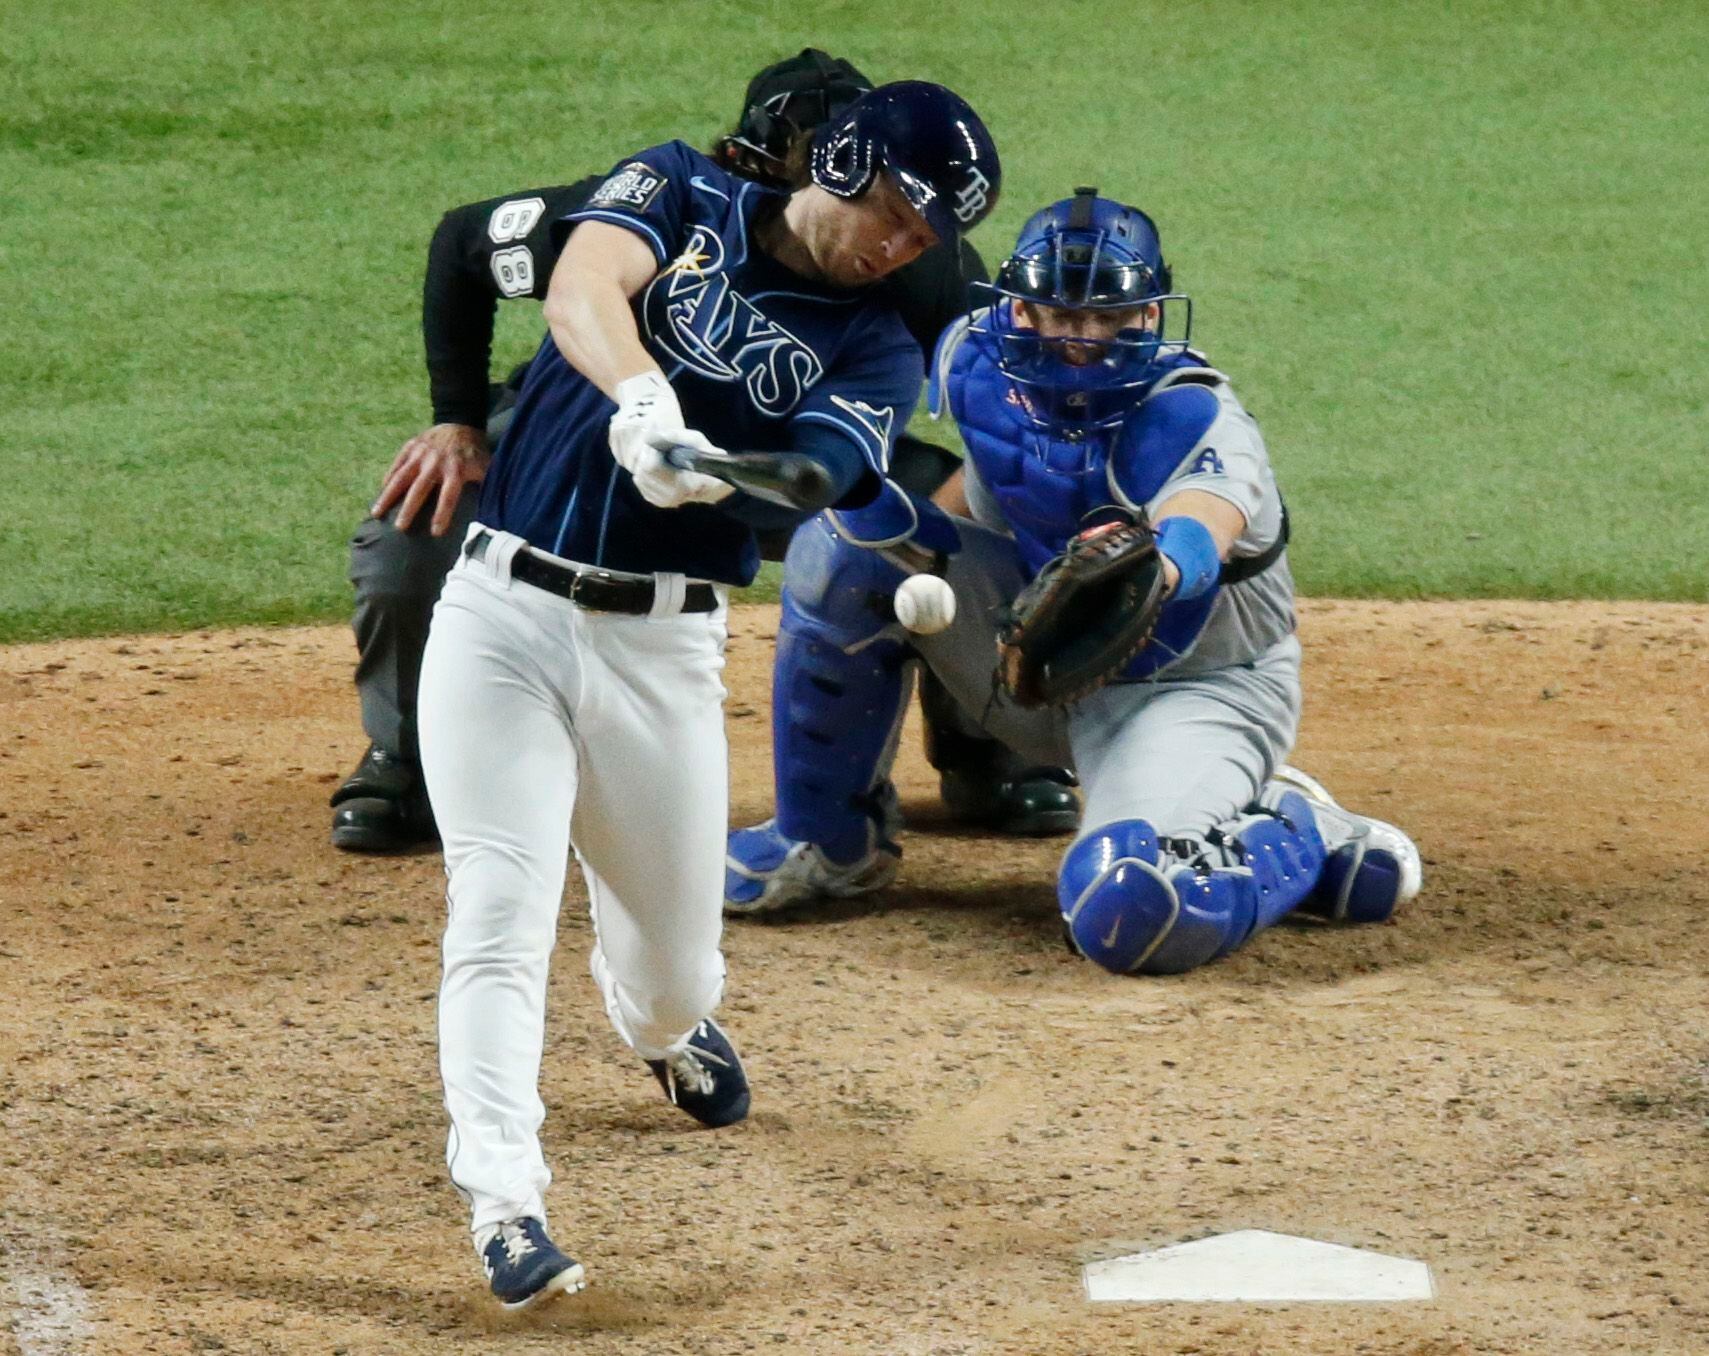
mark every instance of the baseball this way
{"type": "Point", "coordinates": [925, 604]}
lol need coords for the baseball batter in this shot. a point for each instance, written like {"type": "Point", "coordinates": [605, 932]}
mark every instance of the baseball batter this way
{"type": "Point", "coordinates": [1081, 405]}
{"type": "Point", "coordinates": [505, 249]}
{"type": "Point", "coordinates": [570, 693]}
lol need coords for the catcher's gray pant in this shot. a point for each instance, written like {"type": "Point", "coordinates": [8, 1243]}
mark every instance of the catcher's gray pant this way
{"type": "Point", "coordinates": [546, 726]}
{"type": "Point", "coordinates": [1183, 754]}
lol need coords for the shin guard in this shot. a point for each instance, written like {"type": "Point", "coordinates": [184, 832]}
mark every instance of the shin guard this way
{"type": "Point", "coordinates": [839, 691]}
{"type": "Point", "coordinates": [1137, 904]}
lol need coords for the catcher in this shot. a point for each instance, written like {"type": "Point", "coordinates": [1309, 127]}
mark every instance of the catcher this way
{"type": "Point", "coordinates": [1116, 560]}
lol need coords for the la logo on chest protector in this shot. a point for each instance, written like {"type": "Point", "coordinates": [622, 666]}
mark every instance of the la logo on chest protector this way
{"type": "Point", "coordinates": [691, 311]}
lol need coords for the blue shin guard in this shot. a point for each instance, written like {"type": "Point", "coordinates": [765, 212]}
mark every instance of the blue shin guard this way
{"type": "Point", "coordinates": [839, 691]}
{"type": "Point", "coordinates": [1135, 904]}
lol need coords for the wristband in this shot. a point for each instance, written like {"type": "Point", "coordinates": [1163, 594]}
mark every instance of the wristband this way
{"type": "Point", "coordinates": [1191, 548]}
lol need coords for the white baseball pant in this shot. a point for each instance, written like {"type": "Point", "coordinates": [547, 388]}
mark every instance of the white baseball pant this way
{"type": "Point", "coordinates": [546, 726]}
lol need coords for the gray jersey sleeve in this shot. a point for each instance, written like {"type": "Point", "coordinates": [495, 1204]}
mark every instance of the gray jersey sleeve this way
{"type": "Point", "coordinates": [1230, 461]}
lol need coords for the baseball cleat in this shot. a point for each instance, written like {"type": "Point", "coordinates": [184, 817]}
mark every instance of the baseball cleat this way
{"type": "Point", "coordinates": [524, 1266]}
{"type": "Point", "coordinates": [704, 1076]}
{"type": "Point", "coordinates": [1372, 868]}
{"type": "Point", "coordinates": [763, 870]}
{"type": "Point", "coordinates": [1039, 802]}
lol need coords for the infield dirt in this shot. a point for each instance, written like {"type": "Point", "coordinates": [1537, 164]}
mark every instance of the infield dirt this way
{"type": "Point", "coordinates": [221, 1107]}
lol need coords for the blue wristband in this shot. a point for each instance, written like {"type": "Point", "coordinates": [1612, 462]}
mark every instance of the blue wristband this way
{"type": "Point", "coordinates": [1189, 544]}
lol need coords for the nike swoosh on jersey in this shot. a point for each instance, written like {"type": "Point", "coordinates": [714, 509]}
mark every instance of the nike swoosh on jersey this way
{"type": "Point", "coordinates": [695, 181]}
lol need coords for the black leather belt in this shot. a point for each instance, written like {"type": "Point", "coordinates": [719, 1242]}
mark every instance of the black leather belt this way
{"type": "Point", "coordinates": [597, 590]}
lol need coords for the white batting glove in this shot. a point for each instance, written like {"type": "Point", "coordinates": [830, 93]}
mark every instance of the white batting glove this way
{"type": "Point", "coordinates": [646, 408]}
{"type": "Point", "coordinates": [665, 486]}
{"type": "Point", "coordinates": [647, 422]}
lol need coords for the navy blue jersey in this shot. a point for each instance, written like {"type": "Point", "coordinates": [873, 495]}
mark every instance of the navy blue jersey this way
{"type": "Point", "coordinates": [760, 359]}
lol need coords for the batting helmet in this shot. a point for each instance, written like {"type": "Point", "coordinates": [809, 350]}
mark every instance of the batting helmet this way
{"type": "Point", "coordinates": [784, 101]}
{"type": "Point", "coordinates": [1087, 253]}
{"type": "Point", "coordinates": [928, 140]}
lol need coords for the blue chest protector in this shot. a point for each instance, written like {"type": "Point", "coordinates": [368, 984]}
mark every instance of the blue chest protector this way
{"type": "Point", "coordinates": [1049, 489]}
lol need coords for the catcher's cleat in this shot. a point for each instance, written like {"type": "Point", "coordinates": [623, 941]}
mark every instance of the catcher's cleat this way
{"type": "Point", "coordinates": [704, 1077]}
{"type": "Point", "coordinates": [524, 1266]}
{"type": "Point", "coordinates": [1038, 802]}
{"type": "Point", "coordinates": [1371, 867]}
{"type": "Point", "coordinates": [763, 871]}
{"type": "Point", "coordinates": [382, 806]}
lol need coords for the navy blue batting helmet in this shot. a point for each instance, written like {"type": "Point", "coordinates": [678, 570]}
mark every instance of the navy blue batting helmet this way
{"type": "Point", "coordinates": [1087, 253]}
{"type": "Point", "coordinates": [928, 140]}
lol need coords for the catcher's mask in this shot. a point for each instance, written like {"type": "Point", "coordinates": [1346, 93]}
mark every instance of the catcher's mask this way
{"type": "Point", "coordinates": [1082, 254]}
{"type": "Point", "coordinates": [783, 102]}
{"type": "Point", "coordinates": [928, 140]}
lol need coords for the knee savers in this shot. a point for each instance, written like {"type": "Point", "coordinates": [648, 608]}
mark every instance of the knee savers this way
{"type": "Point", "coordinates": [838, 689]}
{"type": "Point", "coordinates": [1136, 905]}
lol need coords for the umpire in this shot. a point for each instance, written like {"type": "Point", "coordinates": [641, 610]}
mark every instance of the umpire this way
{"type": "Point", "coordinates": [401, 552]}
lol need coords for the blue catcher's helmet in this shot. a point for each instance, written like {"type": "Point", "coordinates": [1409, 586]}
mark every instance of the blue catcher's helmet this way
{"type": "Point", "coordinates": [930, 142]}
{"type": "Point", "coordinates": [1087, 253]}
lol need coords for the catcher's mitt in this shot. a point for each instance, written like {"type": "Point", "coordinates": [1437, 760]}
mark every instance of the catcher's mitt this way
{"type": "Point", "coordinates": [1087, 613]}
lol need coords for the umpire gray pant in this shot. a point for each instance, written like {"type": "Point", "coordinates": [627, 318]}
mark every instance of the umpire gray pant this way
{"type": "Point", "coordinates": [397, 577]}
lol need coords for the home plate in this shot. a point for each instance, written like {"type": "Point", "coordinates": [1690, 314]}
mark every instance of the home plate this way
{"type": "Point", "coordinates": [1256, 1266]}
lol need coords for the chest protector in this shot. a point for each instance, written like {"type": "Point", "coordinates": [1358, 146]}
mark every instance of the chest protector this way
{"type": "Point", "coordinates": [1050, 489]}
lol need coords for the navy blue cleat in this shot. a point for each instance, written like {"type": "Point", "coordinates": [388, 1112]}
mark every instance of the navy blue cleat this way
{"type": "Point", "coordinates": [525, 1267]}
{"type": "Point", "coordinates": [704, 1076]}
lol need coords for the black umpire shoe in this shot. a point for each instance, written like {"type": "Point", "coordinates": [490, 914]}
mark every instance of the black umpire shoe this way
{"type": "Point", "coordinates": [1037, 802]}
{"type": "Point", "coordinates": [382, 806]}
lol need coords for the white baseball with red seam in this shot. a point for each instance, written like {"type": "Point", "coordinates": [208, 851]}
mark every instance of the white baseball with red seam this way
{"type": "Point", "coordinates": [925, 604]}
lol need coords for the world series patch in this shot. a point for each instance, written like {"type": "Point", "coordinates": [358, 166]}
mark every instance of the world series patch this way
{"type": "Point", "coordinates": [634, 186]}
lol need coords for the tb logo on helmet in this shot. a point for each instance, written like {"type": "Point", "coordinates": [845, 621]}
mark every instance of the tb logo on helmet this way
{"type": "Point", "coordinates": [973, 202]}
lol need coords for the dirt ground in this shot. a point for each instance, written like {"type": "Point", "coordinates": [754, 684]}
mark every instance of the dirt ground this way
{"type": "Point", "coordinates": [222, 1119]}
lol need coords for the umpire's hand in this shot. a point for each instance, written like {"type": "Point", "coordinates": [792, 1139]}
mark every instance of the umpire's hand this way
{"type": "Point", "coordinates": [441, 460]}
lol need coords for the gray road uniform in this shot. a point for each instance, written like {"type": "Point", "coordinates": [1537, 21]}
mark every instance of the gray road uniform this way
{"type": "Point", "coordinates": [1186, 847]}
{"type": "Point", "coordinates": [1172, 714]}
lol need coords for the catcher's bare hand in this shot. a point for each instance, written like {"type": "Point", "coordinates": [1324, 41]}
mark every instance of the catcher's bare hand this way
{"type": "Point", "coordinates": [439, 461]}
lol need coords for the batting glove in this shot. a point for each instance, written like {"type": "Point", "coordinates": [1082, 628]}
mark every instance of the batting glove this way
{"type": "Point", "coordinates": [646, 408]}
{"type": "Point", "coordinates": [665, 486]}
{"type": "Point", "coordinates": [649, 420]}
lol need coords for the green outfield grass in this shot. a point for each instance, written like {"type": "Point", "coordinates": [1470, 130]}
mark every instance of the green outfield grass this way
{"type": "Point", "coordinates": [1452, 254]}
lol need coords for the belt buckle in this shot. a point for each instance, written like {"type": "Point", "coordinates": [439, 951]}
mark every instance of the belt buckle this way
{"type": "Point", "coordinates": [582, 577]}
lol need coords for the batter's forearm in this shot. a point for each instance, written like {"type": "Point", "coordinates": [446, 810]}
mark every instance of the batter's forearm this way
{"type": "Point", "coordinates": [587, 304]}
{"type": "Point", "coordinates": [595, 331]}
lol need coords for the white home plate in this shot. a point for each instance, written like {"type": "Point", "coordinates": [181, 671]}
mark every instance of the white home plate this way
{"type": "Point", "coordinates": [1257, 1266]}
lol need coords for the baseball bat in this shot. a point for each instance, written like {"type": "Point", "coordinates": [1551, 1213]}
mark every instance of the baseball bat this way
{"type": "Point", "coordinates": [792, 479]}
